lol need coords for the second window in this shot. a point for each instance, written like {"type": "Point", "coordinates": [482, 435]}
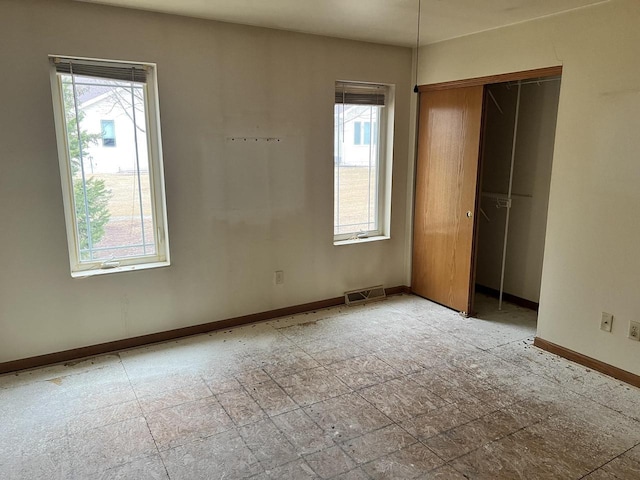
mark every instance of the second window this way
{"type": "Point", "coordinates": [360, 125]}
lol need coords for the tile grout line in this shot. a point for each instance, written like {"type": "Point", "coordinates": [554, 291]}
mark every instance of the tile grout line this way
{"type": "Point", "coordinates": [520, 367]}
{"type": "Point", "coordinates": [69, 434]}
{"type": "Point", "coordinates": [350, 392]}
{"type": "Point", "coordinates": [463, 368]}
{"type": "Point", "coordinates": [302, 409]}
{"type": "Point", "coordinates": [614, 458]}
{"type": "Point", "coordinates": [393, 422]}
{"type": "Point", "coordinates": [235, 424]}
{"type": "Point", "coordinates": [448, 403]}
{"type": "Point", "coordinates": [144, 415]}
{"type": "Point", "coordinates": [269, 418]}
{"type": "Point", "coordinates": [553, 381]}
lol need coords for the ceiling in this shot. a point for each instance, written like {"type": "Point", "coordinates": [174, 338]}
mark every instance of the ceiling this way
{"type": "Point", "coordinates": [392, 22]}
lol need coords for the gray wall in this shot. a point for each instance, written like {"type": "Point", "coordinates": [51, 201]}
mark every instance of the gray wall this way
{"type": "Point", "coordinates": [236, 213]}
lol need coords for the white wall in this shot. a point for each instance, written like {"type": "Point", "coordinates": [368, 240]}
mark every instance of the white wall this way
{"type": "Point", "coordinates": [531, 180]}
{"type": "Point", "coordinates": [236, 213]}
{"type": "Point", "coordinates": [591, 260]}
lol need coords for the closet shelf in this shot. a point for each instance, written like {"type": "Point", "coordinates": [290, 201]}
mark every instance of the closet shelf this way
{"type": "Point", "coordinates": [505, 195]}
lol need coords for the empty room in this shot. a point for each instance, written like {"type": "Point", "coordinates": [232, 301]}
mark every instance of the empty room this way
{"type": "Point", "coordinates": [299, 240]}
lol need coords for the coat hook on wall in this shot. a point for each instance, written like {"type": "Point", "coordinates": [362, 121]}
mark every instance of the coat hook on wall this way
{"type": "Point", "coordinates": [253, 139]}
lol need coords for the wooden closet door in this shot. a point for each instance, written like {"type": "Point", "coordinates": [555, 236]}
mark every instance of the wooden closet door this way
{"type": "Point", "coordinates": [445, 201]}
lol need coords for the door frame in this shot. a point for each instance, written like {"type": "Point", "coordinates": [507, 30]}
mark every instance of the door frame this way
{"type": "Point", "coordinates": [498, 78]}
{"type": "Point", "coordinates": [469, 82]}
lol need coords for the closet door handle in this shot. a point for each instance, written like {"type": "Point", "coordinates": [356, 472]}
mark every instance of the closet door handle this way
{"type": "Point", "coordinates": [469, 214]}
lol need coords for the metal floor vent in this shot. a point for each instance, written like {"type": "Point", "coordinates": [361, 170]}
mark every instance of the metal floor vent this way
{"type": "Point", "coordinates": [365, 295]}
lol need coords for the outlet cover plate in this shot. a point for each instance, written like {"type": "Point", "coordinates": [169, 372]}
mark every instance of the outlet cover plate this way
{"type": "Point", "coordinates": [606, 323]}
{"type": "Point", "coordinates": [634, 331]}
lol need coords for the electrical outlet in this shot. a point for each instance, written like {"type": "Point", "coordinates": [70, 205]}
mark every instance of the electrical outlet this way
{"type": "Point", "coordinates": [634, 331]}
{"type": "Point", "coordinates": [279, 277]}
{"type": "Point", "coordinates": [606, 322]}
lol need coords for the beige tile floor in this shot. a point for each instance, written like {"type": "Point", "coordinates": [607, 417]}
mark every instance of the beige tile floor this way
{"type": "Point", "coordinates": [398, 389]}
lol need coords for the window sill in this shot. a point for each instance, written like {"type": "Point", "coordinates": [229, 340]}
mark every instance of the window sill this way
{"type": "Point", "coordinates": [377, 238]}
{"type": "Point", "coordinates": [124, 268]}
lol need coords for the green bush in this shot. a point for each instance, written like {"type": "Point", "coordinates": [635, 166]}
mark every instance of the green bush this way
{"type": "Point", "coordinates": [97, 204]}
{"type": "Point", "coordinates": [96, 209]}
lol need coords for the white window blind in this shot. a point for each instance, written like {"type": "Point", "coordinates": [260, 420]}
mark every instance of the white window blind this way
{"type": "Point", "coordinates": [128, 72]}
{"type": "Point", "coordinates": [360, 93]}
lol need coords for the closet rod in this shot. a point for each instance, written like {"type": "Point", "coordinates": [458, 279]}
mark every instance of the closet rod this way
{"type": "Point", "coordinates": [506, 224]}
{"type": "Point", "coordinates": [503, 195]}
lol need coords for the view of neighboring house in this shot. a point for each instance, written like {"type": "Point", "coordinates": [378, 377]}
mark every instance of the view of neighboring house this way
{"type": "Point", "coordinates": [356, 135]}
{"type": "Point", "coordinates": [356, 163]}
{"type": "Point", "coordinates": [113, 115]}
{"type": "Point", "coordinates": [109, 114]}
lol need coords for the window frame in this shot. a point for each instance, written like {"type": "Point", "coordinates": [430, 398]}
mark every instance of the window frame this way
{"type": "Point", "coordinates": [357, 133]}
{"type": "Point", "coordinates": [156, 175]}
{"type": "Point", "coordinates": [102, 131]}
{"type": "Point", "coordinates": [366, 133]}
{"type": "Point", "coordinates": [385, 124]}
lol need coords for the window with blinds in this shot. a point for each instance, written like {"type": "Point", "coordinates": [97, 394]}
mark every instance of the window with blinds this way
{"type": "Point", "coordinates": [113, 189]}
{"type": "Point", "coordinates": [361, 116]}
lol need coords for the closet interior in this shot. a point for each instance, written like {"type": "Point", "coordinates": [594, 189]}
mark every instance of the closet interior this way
{"type": "Point", "coordinates": [516, 156]}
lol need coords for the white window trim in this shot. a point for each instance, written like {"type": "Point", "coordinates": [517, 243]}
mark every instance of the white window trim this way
{"type": "Point", "coordinates": [352, 241]}
{"type": "Point", "coordinates": [156, 175]}
{"type": "Point", "coordinates": [385, 166]}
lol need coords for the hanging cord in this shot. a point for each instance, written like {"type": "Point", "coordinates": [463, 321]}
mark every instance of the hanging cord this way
{"type": "Point", "coordinates": [415, 87]}
{"type": "Point", "coordinates": [135, 139]}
